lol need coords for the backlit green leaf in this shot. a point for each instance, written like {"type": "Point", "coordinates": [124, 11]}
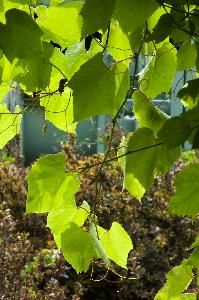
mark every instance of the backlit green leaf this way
{"type": "Point", "coordinates": [9, 122]}
{"type": "Point", "coordinates": [116, 243]}
{"type": "Point", "coordinates": [49, 187]}
{"type": "Point", "coordinates": [178, 279]}
{"type": "Point", "coordinates": [186, 56]}
{"type": "Point", "coordinates": [189, 94]}
{"type": "Point", "coordinates": [119, 45]}
{"type": "Point", "coordinates": [132, 14]}
{"type": "Point", "coordinates": [80, 247]}
{"type": "Point", "coordinates": [10, 125]}
{"type": "Point", "coordinates": [59, 219]}
{"type": "Point", "coordinates": [59, 110]}
{"type": "Point", "coordinates": [67, 28]}
{"type": "Point", "coordinates": [96, 15]}
{"type": "Point", "coordinates": [100, 90]}
{"type": "Point", "coordinates": [158, 75]}
{"type": "Point", "coordinates": [185, 202]}
{"type": "Point", "coordinates": [162, 29]}
{"type": "Point", "coordinates": [147, 114]}
{"type": "Point", "coordinates": [15, 38]}
{"type": "Point", "coordinates": [34, 74]}
{"type": "Point", "coordinates": [174, 132]}
{"type": "Point", "coordinates": [146, 157]}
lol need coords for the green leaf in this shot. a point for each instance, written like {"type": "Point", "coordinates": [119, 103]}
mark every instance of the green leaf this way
{"type": "Point", "coordinates": [136, 39]}
{"type": "Point", "coordinates": [9, 122]}
{"type": "Point", "coordinates": [96, 15]}
{"type": "Point", "coordinates": [6, 5]}
{"type": "Point", "coordinates": [146, 156]}
{"type": "Point", "coordinates": [162, 29]}
{"type": "Point", "coordinates": [59, 64]}
{"type": "Point", "coordinates": [188, 297]}
{"type": "Point", "coordinates": [10, 125]}
{"type": "Point", "coordinates": [132, 14]}
{"type": "Point", "coordinates": [118, 44]}
{"type": "Point", "coordinates": [185, 202]}
{"type": "Point", "coordinates": [59, 220]}
{"type": "Point", "coordinates": [67, 28]}
{"type": "Point", "coordinates": [116, 243]}
{"type": "Point", "coordinates": [147, 114]}
{"type": "Point", "coordinates": [189, 94]}
{"type": "Point", "coordinates": [193, 259]}
{"type": "Point", "coordinates": [195, 243]}
{"type": "Point", "coordinates": [174, 132]}
{"type": "Point", "coordinates": [55, 2]}
{"type": "Point", "coordinates": [59, 110]}
{"type": "Point", "coordinates": [15, 38]}
{"type": "Point", "coordinates": [75, 56]}
{"type": "Point", "coordinates": [157, 76]}
{"type": "Point", "coordinates": [140, 166]}
{"type": "Point", "coordinates": [65, 65]}
{"type": "Point", "coordinates": [24, 2]}
{"type": "Point", "coordinates": [34, 74]}
{"type": "Point", "coordinates": [100, 90]}
{"type": "Point", "coordinates": [49, 187]}
{"type": "Point", "coordinates": [178, 279]}
{"type": "Point", "coordinates": [186, 56]}
{"type": "Point", "coordinates": [195, 139]}
{"type": "Point", "coordinates": [80, 247]}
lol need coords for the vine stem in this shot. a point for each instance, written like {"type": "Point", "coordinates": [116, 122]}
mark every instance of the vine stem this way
{"type": "Point", "coordinates": [114, 120]}
{"type": "Point", "coordinates": [58, 69]}
{"type": "Point", "coordinates": [119, 156]}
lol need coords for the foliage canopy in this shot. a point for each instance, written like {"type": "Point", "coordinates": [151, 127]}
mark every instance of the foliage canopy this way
{"type": "Point", "coordinates": [75, 83]}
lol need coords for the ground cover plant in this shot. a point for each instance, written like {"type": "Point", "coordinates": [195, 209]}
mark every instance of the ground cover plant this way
{"type": "Point", "coordinates": [33, 268]}
{"type": "Point", "coordinates": [53, 53]}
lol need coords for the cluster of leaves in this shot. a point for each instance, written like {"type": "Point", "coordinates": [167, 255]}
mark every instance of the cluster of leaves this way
{"type": "Point", "coordinates": [32, 267]}
{"type": "Point", "coordinates": [75, 83]}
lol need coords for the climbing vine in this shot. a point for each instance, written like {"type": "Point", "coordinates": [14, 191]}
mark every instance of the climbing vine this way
{"type": "Point", "coordinates": [53, 53]}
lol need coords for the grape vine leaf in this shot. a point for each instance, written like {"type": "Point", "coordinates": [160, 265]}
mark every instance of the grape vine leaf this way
{"type": "Point", "coordinates": [185, 201]}
{"type": "Point", "coordinates": [96, 15]}
{"type": "Point", "coordinates": [58, 62]}
{"type": "Point", "coordinates": [188, 296]}
{"type": "Point", "coordinates": [49, 187]}
{"type": "Point", "coordinates": [59, 110]}
{"type": "Point", "coordinates": [59, 220]}
{"type": "Point", "coordinates": [66, 65]}
{"type": "Point", "coordinates": [24, 2]}
{"type": "Point", "coordinates": [100, 90]}
{"type": "Point", "coordinates": [55, 2]}
{"type": "Point", "coordinates": [132, 14]}
{"type": "Point", "coordinates": [162, 29]}
{"type": "Point", "coordinates": [193, 259]}
{"type": "Point", "coordinates": [147, 114]}
{"type": "Point", "coordinates": [157, 76]}
{"type": "Point", "coordinates": [67, 28]}
{"type": "Point", "coordinates": [9, 122]}
{"type": "Point", "coordinates": [15, 38]}
{"type": "Point", "coordinates": [189, 94]}
{"type": "Point", "coordinates": [186, 56]}
{"type": "Point", "coordinates": [80, 247]}
{"type": "Point", "coordinates": [178, 279]}
{"type": "Point", "coordinates": [118, 44]}
{"type": "Point", "coordinates": [175, 132]}
{"type": "Point", "coordinates": [146, 156]}
{"type": "Point", "coordinates": [34, 74]}
{"type": "Point", "coordinates": [75, 56]}
{"type": "Point", "coordinates": [116, 243]}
